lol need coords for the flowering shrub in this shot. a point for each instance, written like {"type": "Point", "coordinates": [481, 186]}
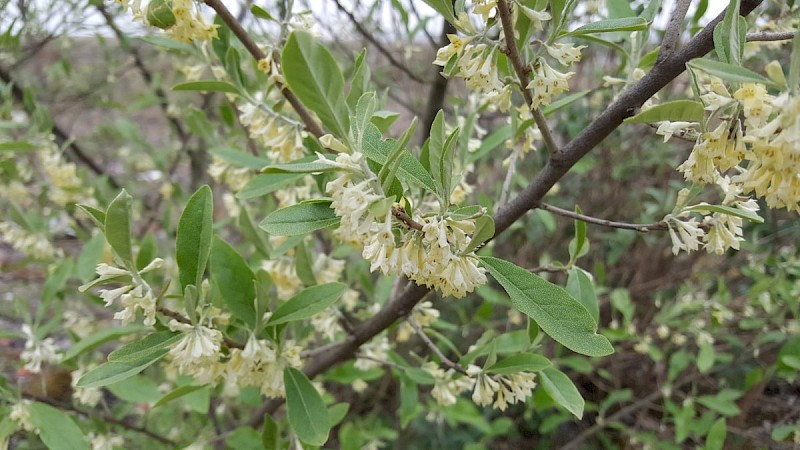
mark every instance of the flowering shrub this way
{"type": "Point", "coordinates": [331, 263]}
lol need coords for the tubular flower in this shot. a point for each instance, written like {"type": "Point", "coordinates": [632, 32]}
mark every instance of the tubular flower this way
{"type": "Point", "coordinates": [547, 83]}
{"type": "Point", "coordinates": [135, 293]}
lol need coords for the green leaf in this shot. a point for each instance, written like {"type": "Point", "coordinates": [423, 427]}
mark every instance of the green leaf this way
{"type": "Point", "coordinates": [99, 338]}
{"type": "Point", "coordinates": [97, 216]}
{"type": "Point", "coordinates": [270, 435]}
{"type": "Point", "coordinates": [118, 227]}
{"type": "Point", "coordinates": [267, 183]}
{"type": "Point", "coordinates": [239, 158]}
{"type": "Point", "coordinates": [563, 102]}
{"type": "Point", "coordinates": [580, 286]}
{"type": "Point", "coordinates": [245, 438]}
{"type": "Point", "coordinates": [307, 165]}
{"type": "Point", "coordinates": [56, 429]}
{"type": "Point", "coordinates": [705, 357]}
{"type": "Point", "coordinates": [715, 440]}
{"type": "Point", "coordinates": [491, 142]}
{"type": "Point", "coordinates": [337, 413]}
{"type": "Point", "coordinates": [144, 348]}
{"type": "Point", "coordinates": [112, 372]}
{"type": "Point", "coordinates": [17, 146]}
{"type": "Point", "coordinates": [484, 230]}
{"type": "Point", "coordinates": [313, 75]}
{"type": "Point", "coordinates": [170, 44]}
{"type": "Point", "coordinates": [300, 219]}
{"type": "Point", "coordinates": [308, 302]}
{"type": "Point", "coordinates": [178, 393]}
{"type": "Point", "coordinates": [307, 414]}
{"type": "Point", "coordinates": [610, 25]}
{"type": "Point", "coordinates": [193, 242]}
{"type": "Point", "coordinates": [675, 111]}
{"type": "Point", "coordinates": [234, 278]}
{"type": "Point", "coordinates": [436, 146]}
{"type": "Point", "coordinates": [360, 83]}
{"type": "Point", "coordinates": [147, 251]}
{"type": "Point", "coordinates": [136, 389]}
{"type": "Point", "coordinates": [558, 314]}
{"type": "Point", "coordinates": [384, 119]}
{"type": "Point", "coordinates": [261, 13]}
{"type": "Point", "coordinates": [728, 37]}
{"type": "Point", "coordinates": [56, 281]}
{"type": "Point", "coordinates": [362, 113]}
{"type": "Point", "coordinates": [443, 7]}
{"type": "Point", "coordinates": [409, 401]}
{"type": "Point", "coordinates": [561, 389]}
{"type": "Point", "coordinates": [729, 210]}
{"type": "Point", "coordinates": [723, 402]}
{"type": "Point", "coordinates": [794, 65]}
{"type": "Point", "coordinates": [303, 265]}
{"type": "Point", "coordinates": [729, 72]}
{"type": "Point", "coordinates": [396, 155]}
{"type": "Point", "coordinates": [411, 170]}
{"type": "Point", "coordinates": [521, 362]}
{"type": "Point", "coordinates": [206, 86]}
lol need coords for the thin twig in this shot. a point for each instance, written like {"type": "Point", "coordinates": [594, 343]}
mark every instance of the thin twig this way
{"type": "Point", "coordinates": [762, 36]}
{"type": "Point", "coordinates": [101, 418]}
{"type": "Point", "coordinates": [62, 137]}
{"type": "Point", "coordinates": [642, 228]}
{"type": "Point", "coordinates": [522, 73]}
{"type": "Point", "coordinates": [402, 216]}
{"type": "Point", "coordinates": [305, 115]}
{"type": "Point", "coordinates": [429, 343]}
{"type": "Point", "coordinates": [547, 269]}
{"type": "Point", "coordinates": [378, 45]}
{"type": "Point", "coordinates": [412, 6]}
{"type": "Point", "coordinates": [674, 29]}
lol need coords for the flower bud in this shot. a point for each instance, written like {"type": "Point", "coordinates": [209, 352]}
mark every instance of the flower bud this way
{"type": "Point", "coordinates": [159, 14]}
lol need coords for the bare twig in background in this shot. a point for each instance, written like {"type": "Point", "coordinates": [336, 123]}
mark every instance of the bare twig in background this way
{"type": "Point", "coordinates": [432, 346]}
{"type": "Point", "coordinates": [305, 115]}
{"type": "Point", "coordinates": [102, 418]}
{"type": "Point", "coordinates": [642, 228]}
{"type": "Point", "coordinates": [522, 71]}
{"type": "Point", "coordinates": [77, 153]}
{"type": "Point", "coordinates": [378, 45]}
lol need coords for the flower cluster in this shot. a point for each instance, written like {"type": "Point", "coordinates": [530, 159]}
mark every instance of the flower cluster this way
{"type": "Point", "coordinates": [718, 231]}
{"type": "Point", "coordinates": [423, 314]}
{"type": "Point", "coordinates": [260, 364]}
{"type": "Point", "coordinates": [762, 149]}
{"type": "Point", "coordinates": [65, 186]}
{"type": "Point", "coordinates": [547, 83]}
{"type": "Point", "coordinates": [135, 293]}
{"type": "Point", "coordinates": [501, 389]}
{"type": "Point", "coordinates": [38, 351]}
{"type": "Point", "coordinates": [284, 139]}
{"type": "Point", "coordinates": [180, 19]}
{"type": "Point", "coordinates": [431, 254]}
{"type": "Point", "coordinates": [34, 245]}
{"type": "Point", "coordinates": [476, 64]}
{"type": "Point", "coordinates": [448, 384]}
{"type": "Point", "coordinates": [235, 177]}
